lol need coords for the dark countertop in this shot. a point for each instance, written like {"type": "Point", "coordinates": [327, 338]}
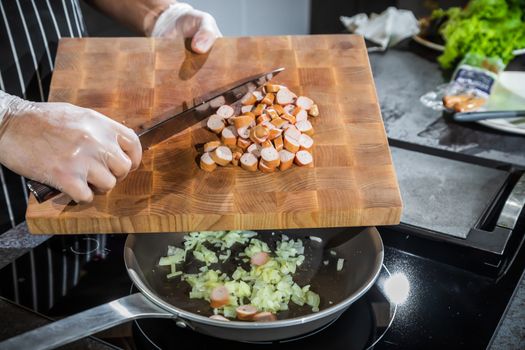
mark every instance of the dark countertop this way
{"type": "Point", "coordinates": [401, 76]}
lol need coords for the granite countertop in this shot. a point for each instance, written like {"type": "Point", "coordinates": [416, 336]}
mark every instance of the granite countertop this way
{"type": "Point", "coordinates": [401, 76]}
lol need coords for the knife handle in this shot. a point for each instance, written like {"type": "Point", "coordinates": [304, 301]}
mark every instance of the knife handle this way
{"type": "Point", "coordinates": [41, 192]}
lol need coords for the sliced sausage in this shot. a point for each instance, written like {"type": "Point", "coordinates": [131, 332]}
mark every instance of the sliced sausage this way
{"type": "Point", "coordinates": [259, 134]}
{"type": "Point", "coordinates": [272, 113]}
{"type": "Point", "coordinates": [246, 312]}
{"type": "Point", "coordinates": [279, 109]}
{"type": "Point", "coordinates": [268, 99]}
{"type": "Point", "coordinates": [306, 142]}
{"type": "Point", "coordinates": [285, 96]}
{"type": "Point", "coordinates": [210, 146]}
{"type": "Point", "coordinates": [270, 156]}
{"type": "Point", "coordinates": [219, 318]}
{"type": "Point", "coordinates": [246, 109]}
{"type": "Point", "coordinates": [291, 144]}
{"type": "Point", "coordinates": [301, 116]}
{"type": "Point", "coordinates": [229, 136]}
{"type": "Point", "coordinates": [274, 133]}
{"type": "Point", "coordinates": [314, 111]}
{"type": "Point", "coordinates": [272, 87]}
{"type": "Point", "coordinates": [225, 111]}
{"type": "Point", "coordinates": [293, 132]}
{"type": "Point", "coordinates": [289, 108]}
{"type": "Point", "coordinates": [255, 149]}
{"type": "Point", "coordinates": [252, 116]}
{"type": "Point", "coordinates": [288, 117]}
{"type": "Point", "coordinates": [304, 158]}
{"type": "Point", "coordinates": [264, 316]}
{"type": "Point", "coordinates": [244, 132]}
{"type": "Point", "coordinates": [278, 143]}
{"type": "Point", "coordinates": [264, 167]}
{"type": "Point", "coordinates": [259, 109]}
{"type": "Point", "coordinates": [242, 121]}
{"type": "Point", "coordinates": [222, 155]}
{"type": "Point", "coordinates": [230, 121]}
{"type": "Point", "coordinates": [249, 162]}
{"type": "Point", "coordinates": [249, 99]}
{"type": "Point", "coordinates": [243, 143]}
{"type": "Point", "coordinates": [279, 122]}
{"type": "Point", "coordinates": [304, 102]}
{"type": "Point", "coordinates": [258, 95]}
{"type": "Point", "coordinates": [215, 123]}
{"type": "Point", "coordinates": [219, 297]}
{"type": "Point", "coordinates": [236, 155]}
{"type": "Point", "coordinates": [260, 258]}
{"type": "Point", "coordinates": [263, 118]}
{"type": "Point", "coordinates": [266, 144]}
{"type": "Point", "coordinates": [207, 163]}
{"type": "Point", "coordinates": [305, 127]}
{"type": "Point", "coordinates": [287, 158]}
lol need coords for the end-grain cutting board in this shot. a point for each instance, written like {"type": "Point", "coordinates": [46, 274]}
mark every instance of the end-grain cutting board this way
{"type": "Point", "coordinates": [136, 80]}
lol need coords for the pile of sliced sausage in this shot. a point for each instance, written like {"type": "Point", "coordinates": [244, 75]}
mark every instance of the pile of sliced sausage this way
{"type": "Point", "coordinates": [272, 132]}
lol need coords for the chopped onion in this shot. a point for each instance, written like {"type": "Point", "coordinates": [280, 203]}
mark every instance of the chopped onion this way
{"type": "Point", "coordinates": [316, 239]}
{"type": "Point", "coordinates": [340, 263]}
{"type": "Point", "coordinates": [269, 287]}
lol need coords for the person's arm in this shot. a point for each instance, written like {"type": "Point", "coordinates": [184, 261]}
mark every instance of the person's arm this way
{"type": "Point", "coordinates": [164, 18]}
{"type": "Point", "coordinates": [140, 15]}
{"type": "Point", "coordinates": [70, 148]}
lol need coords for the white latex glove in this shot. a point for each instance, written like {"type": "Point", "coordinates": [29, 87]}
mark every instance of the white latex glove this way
{"type": "Point", "coordinates": [65, 146]}
{"type": "Point", "coordinates": [181, 18]}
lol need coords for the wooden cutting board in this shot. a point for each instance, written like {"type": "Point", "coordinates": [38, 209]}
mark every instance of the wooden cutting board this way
{"type": "Point", "coordinates": [136, 80]}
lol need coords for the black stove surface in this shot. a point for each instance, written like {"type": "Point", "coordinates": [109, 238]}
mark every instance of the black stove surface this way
{"type": "Point", "coordinates": [439, 305]}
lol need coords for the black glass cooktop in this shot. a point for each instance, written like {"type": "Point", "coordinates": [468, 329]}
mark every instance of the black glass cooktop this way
{"type": "Point", "coordinates": [419, 301]}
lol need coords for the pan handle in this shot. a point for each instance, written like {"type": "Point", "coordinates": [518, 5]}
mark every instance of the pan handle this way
{"type": "Point", "coordinates": [86, 323]}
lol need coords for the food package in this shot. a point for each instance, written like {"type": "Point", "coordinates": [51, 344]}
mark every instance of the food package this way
{"type": "Point", "coordinates": [470, 86]}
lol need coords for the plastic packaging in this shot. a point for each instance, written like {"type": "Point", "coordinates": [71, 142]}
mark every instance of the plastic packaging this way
{"type": "Point", "coordinates": [469, 88]}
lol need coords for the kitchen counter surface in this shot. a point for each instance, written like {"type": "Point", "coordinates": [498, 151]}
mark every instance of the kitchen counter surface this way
{"type": "Point", "coordinates": [401, 76]}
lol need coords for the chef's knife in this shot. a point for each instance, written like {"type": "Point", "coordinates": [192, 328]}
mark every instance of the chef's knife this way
{"type": "Point", "coordinates": [203, 108]}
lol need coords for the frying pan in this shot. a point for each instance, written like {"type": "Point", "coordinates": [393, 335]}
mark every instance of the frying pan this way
{"type": "Point", "coordinates": [361, 248]}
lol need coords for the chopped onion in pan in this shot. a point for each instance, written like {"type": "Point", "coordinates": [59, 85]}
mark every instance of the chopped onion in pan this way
{"type": "Point", "coordinates": [269, 287]}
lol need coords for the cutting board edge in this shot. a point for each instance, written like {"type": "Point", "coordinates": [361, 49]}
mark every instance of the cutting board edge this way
{"type": "Point", "coordinates": [44, 225]}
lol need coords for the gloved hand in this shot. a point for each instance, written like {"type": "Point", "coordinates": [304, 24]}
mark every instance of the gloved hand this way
{"type": "Point", "coordinates": [65, 146]}
{"type": "Point", "coordinates": [181, 18]}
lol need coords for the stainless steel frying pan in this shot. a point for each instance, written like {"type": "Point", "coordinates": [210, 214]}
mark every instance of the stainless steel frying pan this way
{"type": "Point", "coordinates": [361, 248]}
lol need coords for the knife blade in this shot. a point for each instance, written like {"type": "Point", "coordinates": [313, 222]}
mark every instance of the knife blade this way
{"type": "Point", "coordinates": [203, 108]}
{"type": "Point", "coordinates": [173, 124]}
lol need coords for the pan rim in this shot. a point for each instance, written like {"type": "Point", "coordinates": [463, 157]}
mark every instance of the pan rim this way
{"type": "Point", "coordinates": [190, 316]}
